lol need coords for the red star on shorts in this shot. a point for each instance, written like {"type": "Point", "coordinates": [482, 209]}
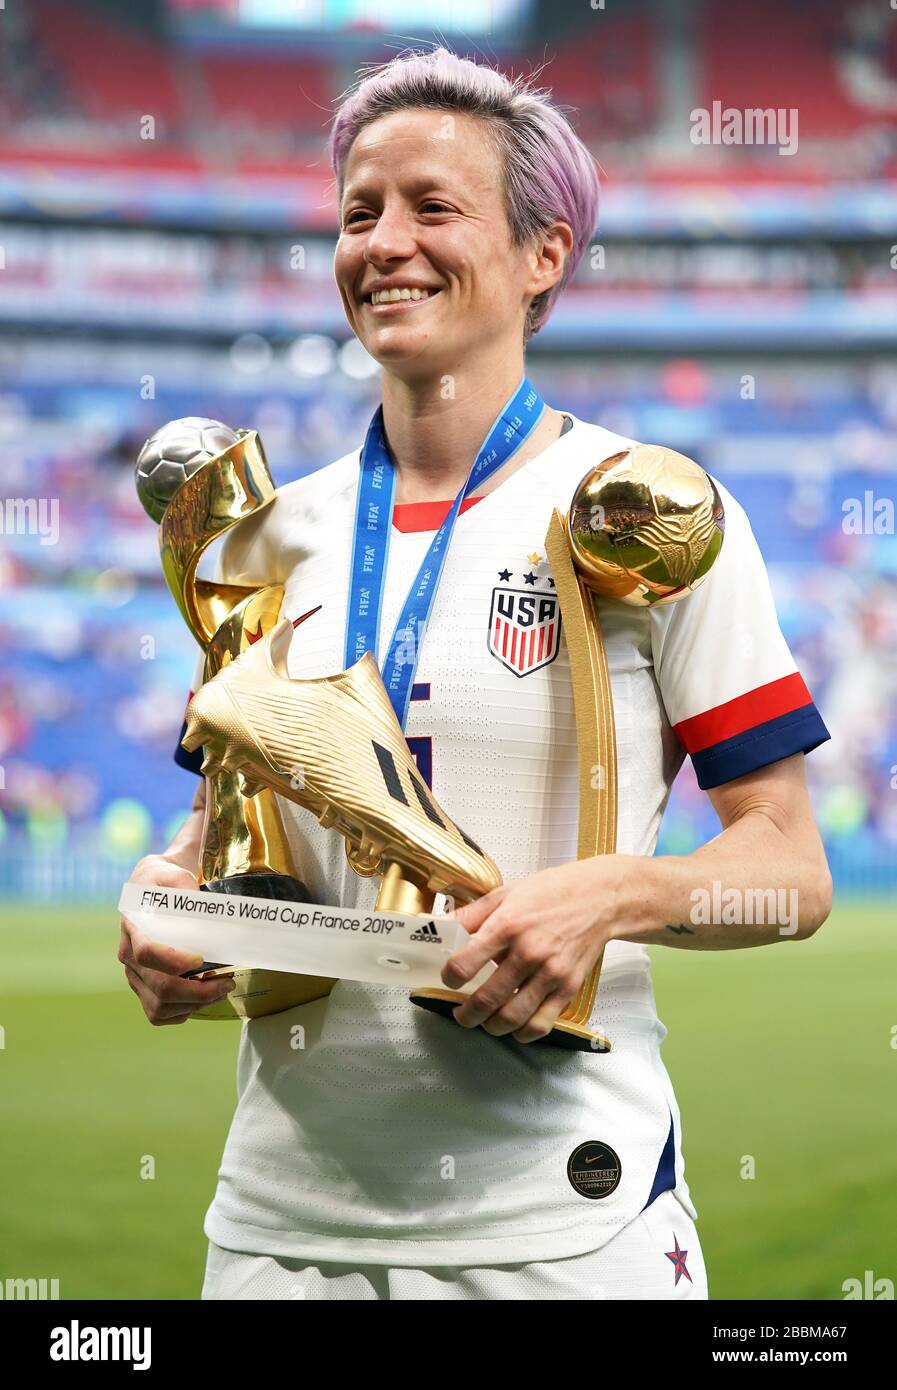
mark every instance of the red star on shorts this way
{"type": "Point", "coordinates": [678, 1257]}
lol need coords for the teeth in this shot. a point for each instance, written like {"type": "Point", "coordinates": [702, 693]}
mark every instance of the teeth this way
{"type": "Point", "coordinates": [393, 296]}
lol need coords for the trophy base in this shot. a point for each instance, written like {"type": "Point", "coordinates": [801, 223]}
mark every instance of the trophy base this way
{"type": "Point", "coordinates": [258, 993]}
{"type": "Point", "coordinates": [573, 1037]}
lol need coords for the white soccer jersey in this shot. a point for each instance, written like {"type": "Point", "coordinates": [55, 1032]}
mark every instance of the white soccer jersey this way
{"type": "Point", "coordinates": [395, 1135]}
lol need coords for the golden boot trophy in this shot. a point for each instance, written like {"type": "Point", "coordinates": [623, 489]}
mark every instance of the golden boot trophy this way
{"type": "Point", "coordinates": [199, 479]}
{"type": "Point", "coordinates": [356, 773]}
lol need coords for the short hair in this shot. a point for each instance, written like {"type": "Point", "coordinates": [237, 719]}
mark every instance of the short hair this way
{"type": "Point", "coordinates": [549, 175]}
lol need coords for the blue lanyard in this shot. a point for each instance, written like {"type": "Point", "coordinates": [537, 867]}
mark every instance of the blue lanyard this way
{"type": "Point", "coordinates": [373, 523]}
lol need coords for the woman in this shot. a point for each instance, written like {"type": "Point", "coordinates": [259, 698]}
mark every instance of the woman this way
{"type": "Point", "coordinates": [400, 1154]}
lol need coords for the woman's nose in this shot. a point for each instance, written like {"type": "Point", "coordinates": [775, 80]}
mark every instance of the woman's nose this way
{"type": "Point", "coordinates": [391, 238]}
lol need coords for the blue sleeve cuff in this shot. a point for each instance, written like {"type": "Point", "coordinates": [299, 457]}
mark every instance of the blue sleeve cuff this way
{"type": "Point", "coordinates": [799, 731]}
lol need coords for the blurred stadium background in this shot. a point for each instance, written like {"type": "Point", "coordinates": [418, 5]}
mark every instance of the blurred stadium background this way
{"type": "Point", "coordinates": [167, 222]}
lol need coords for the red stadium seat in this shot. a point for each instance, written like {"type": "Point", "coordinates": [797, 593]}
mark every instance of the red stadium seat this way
{"type": "Point", "coordinates": [110, 69]}
{"type": "Point", "coordinates": [805, 68]}
{"type": "Point", "coordinates": [268, 93]}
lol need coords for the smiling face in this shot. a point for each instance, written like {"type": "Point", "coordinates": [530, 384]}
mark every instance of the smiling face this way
{"type": "Point", "coordinates": [424, 263]}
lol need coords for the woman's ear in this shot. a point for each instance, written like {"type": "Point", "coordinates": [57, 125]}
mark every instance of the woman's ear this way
{"type": "Point", "coordinates": [550, 252]}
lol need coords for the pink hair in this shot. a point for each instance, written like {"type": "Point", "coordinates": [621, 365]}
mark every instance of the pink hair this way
{"type": "Point", "coordinates": [549, 174]}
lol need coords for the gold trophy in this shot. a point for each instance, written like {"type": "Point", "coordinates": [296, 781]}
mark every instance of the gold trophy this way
{"type": "Point", "coordinates": [644, 527]}
{"type": "Point", "coordinates": [199, 479]}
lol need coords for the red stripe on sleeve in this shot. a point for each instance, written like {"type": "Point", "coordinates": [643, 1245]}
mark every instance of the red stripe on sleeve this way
{"type": "Point", "coordinates": [744, 712]}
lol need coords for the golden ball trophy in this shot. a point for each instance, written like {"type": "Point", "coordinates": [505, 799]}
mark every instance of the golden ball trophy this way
{"type": "Point", "coordinates": [644, 528]}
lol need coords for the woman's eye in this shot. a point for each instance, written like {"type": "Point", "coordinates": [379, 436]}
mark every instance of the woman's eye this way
{"type": "Point", "coordinates": [365, 215]}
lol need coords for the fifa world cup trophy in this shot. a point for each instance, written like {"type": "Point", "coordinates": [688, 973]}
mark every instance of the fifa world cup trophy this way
{"type": "Point", "coordinates": [199, 479]}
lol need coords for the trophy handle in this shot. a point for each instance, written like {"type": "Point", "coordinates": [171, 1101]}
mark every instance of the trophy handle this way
{"type": "Point", "coordinates": [592, 699]}
{"type": "Point", "coordinates": [596, 739]}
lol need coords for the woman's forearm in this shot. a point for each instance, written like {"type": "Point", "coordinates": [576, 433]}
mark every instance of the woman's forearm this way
{"type": "Point", "coordinates": [186, 845]}
{"type": "Point", "coordinates": [756, 883]}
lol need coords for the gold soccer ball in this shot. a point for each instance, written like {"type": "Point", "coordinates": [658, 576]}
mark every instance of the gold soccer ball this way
{"type": "Point", "coordinates": [646, 526]}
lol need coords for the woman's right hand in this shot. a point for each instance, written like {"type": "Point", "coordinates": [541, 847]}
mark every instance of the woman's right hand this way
{"type": "Point", "coordinates": [152, 969]}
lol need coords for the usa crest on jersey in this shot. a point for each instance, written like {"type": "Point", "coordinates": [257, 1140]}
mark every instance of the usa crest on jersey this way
{"type": "Point", "coordinates": [524, 629]}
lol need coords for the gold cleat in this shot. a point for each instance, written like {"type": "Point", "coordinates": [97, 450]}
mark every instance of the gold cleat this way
{"type": "Point", "coordinates": [334, 746]}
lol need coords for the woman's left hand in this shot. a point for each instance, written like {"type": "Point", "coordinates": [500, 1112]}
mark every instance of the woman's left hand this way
{"type": "Point", "coordinates": [545, 934]}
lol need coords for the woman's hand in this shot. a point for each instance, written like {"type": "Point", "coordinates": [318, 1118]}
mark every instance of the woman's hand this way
{"type": "Point", "coordinates": [545, 933]}
{"type": "Point", "coordinates": [152, 969]}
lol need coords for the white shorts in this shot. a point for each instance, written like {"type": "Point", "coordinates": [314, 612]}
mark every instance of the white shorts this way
{"type": "Point", "coordinates": [657, 1255]}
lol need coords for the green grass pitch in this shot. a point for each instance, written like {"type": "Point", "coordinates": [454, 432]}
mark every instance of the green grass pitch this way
{"type": "Point", "coordinates": [784, 1054]}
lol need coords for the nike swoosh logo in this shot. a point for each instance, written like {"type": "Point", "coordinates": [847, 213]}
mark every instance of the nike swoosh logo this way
{"type": "Point", "coordinates": [309, 614]}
